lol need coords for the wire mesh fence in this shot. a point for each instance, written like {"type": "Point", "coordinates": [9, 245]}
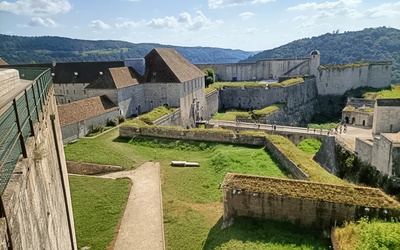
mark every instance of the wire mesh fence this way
{"type": "Point", "coordinates": [17, 119]}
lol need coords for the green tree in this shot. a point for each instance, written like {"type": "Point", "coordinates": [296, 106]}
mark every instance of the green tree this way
{"type": "Point", "coordinates": [210, 76]}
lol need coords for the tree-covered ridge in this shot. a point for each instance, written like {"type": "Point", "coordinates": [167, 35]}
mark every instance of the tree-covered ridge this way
{"type": "Point", "coordinates": [368, 45]}
{"type": "Point", "coordinates": [45, 49]}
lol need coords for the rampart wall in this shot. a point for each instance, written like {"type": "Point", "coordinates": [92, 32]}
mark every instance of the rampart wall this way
{"type": "Point", "coordinates": [39, 216]}
{"type": "Point", "coordinates": [212, 104]}
{"type": "Point", "coordinates": [262, 69]}
{"type": "Point", "coordinates": [336, 81]}
{"type": "Point", "coordinates": [300, 99]}
{"type": "Point", "coordinates": [303, 212]}
{"type": "Point", "coordinates": [173, 119]}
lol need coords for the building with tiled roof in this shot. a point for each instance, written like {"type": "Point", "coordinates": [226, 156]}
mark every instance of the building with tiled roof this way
{"type": "Point", "coordinates": [169, 79]}
{"type": "Point", "coordinates": [2, 62]}
{"type": "Point", "coordinates": [77, 118]}
{"type": "Point", "coordinates": [165, 78]}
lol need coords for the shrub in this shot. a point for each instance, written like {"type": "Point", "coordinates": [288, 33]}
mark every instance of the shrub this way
{"type": "Point", "coordinates": [121, 118]}
{"type": "Point", "coordinates": [113, 122]}
{"type": "Point", "coordinates": [96, 128]}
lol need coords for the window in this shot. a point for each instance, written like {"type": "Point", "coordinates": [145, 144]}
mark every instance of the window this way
{"type": "Point", "coordinates": [84, 91]}
{"type": "Point", "coordinates": [74, 91]}
{"type": "Point", "coordinates": [67, 92]}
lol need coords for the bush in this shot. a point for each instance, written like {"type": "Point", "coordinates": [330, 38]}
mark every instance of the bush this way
{"type": "Point", "coordinates": [210, 76]}
{"type": "Point", "coordinates": [96, 128]}
{"type": "Point", "coordinates": [113, 122]}
{"type": "Point", "coordinates": [121, 118]}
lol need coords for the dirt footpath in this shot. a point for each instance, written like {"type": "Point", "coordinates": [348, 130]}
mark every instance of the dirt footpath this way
{"type": "Point", "coordinates": [142, 222]}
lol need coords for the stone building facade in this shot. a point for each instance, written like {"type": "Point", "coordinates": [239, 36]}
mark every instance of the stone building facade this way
{"type": "Point", "coordinates": [78, 118]}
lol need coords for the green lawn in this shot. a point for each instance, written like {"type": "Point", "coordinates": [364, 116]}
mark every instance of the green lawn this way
{"type": "Point", "coordinates": [98, 204]}
{"type": "Point", "coordinates": [310, 146]}
{"type": "Point", "coordinates": [192, 200]}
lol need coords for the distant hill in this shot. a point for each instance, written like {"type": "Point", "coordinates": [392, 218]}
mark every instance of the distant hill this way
{"type": "Point", "coordinates": [372, 44]}
{"type": "Point", "coordinates": [45, 49]}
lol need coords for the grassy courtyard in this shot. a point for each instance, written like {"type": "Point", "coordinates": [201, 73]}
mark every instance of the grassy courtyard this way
{"type": "Point", "coordinates": [192, 200]}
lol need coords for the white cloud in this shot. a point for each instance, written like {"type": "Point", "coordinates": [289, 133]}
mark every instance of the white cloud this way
{"type": "Point", "coordinates": [251, 31]}
{"type": "Point", "coordinates": [184, 21]}
{"type": "Point", "coordinates": [215, 4]}
{"type": "Point", "coordinates": [36, 8]}
{"type": "Point", "coordinates": [42, 22]}
{"type": "Point", "coordinates": [99, 25]}
{"type": "Point", "coordinates": [128, 25]}
{"type": "Point", "coordinates": [326, 5]}
{"type": "Point", "coordinates": [384, 10]}
{"type": "Point", "coordinates": [348, 8]}
{"type": "Point", "coordinates": [246, 15]}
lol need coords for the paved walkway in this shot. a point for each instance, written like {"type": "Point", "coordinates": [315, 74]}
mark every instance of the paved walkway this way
{"type": "Point", "coordinates": [349, 138]}
{"type": "Point", "coordinates": [142, 223]}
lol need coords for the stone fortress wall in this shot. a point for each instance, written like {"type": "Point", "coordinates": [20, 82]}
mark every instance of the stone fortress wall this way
{"type": "Point", "coordinates": [330, 80]}
{"type": "Point", "coordinates": [336, 81]}
{"type": "Point", "coordinates": [39, 217]}
{"type": "Point", "coordinates": [260, 70]}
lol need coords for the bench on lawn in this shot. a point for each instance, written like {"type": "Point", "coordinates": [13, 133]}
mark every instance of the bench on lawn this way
{"type": "Point", "coordinates": [185, 164]}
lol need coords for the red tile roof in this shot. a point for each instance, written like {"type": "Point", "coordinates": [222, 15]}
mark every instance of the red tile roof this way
{"type": "Point", "coordinates": [84, 109]}
{"type": "Point", "coordinates": [116, 78]}
{"type": "Point", "coordinates": [166, 65]}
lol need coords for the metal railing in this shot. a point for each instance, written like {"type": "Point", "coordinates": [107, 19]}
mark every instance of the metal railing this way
{"type": "Point", "coordinates": [17, 117]}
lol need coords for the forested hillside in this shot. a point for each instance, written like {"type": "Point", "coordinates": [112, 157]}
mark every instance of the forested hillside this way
{"type": "Point", "coordinates": [18, 49]}
{"type": "Point", "coordinates": [373, 44]}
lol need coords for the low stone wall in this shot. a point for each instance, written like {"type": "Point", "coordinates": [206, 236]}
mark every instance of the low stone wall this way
{"type": "Point", "coordinates": [208, 135]}
{"type": "Point", "coordinates": [90, 168]}
{"type": "Point", "coordinates": [247, 198]}
{"type": "Point", "coordinates": [173, 119]}
{"type": "Point", "coordinates": [294, 170]}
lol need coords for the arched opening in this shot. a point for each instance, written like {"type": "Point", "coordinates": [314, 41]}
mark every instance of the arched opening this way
{"type": "Point", "coordinates": [346, 119]}
{"type": "Point", "coordinates": [353, 120]}
{"type": "Point", "coordinates": [165, 105]}
{"type": "Point", "coordinates": [363, 122]}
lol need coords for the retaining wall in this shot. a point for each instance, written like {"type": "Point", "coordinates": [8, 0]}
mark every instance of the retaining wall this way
{"type": "Point", "coordinates": [34, 200]}
{"type": "Point", "coordinates": [298, 211]}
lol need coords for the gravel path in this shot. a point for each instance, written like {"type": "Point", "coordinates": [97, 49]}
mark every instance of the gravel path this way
{"type": "Point", "coordinates": [142, 223]}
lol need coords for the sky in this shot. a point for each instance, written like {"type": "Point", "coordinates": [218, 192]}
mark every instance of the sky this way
{"type": "Point", "coordinates": [251, 25]}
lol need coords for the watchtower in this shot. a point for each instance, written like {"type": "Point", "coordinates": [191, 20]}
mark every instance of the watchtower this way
{"type": "Point", "coordinates": [315, 57]}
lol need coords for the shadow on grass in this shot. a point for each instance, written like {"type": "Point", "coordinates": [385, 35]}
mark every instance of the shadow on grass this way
{"type": "Point", "coordinates": [121, 139]}
{"type": "Point", "coordinates": [264, 233]}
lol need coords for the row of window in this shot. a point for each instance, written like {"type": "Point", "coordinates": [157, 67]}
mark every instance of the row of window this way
{"type": "Point", "coordinates": [192, 85]}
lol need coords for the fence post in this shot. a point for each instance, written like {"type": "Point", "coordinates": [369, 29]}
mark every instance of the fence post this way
{"type": "Point", "coordinates": [29, 114]}
{"type": "Point", "coordinates": [34, 98]}
{"type": "Point", "coordinates": [20, 135]}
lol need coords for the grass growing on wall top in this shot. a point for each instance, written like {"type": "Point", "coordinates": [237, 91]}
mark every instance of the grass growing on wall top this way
{"type": "Point", "coordinates": [268, 110]}
{"type": "Point", "coordinates": [287, 82]}
{"type": "Point", "coordinates": [366, 234]}
{"type": "Point", "coordinates": [98, 205]}
{"type": "Point", "coordinates": [155, 114]}
{"type": "Point", "coordinates": [220, 85]}
{"type": "Point", "coordinates": [393, 92]}
{"type": "Point", "coordinates": [345, 66]}
{"type": "Point", "coordinates": [303, 161]}
{"type": "Point", "coordinates": [232, 115]}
